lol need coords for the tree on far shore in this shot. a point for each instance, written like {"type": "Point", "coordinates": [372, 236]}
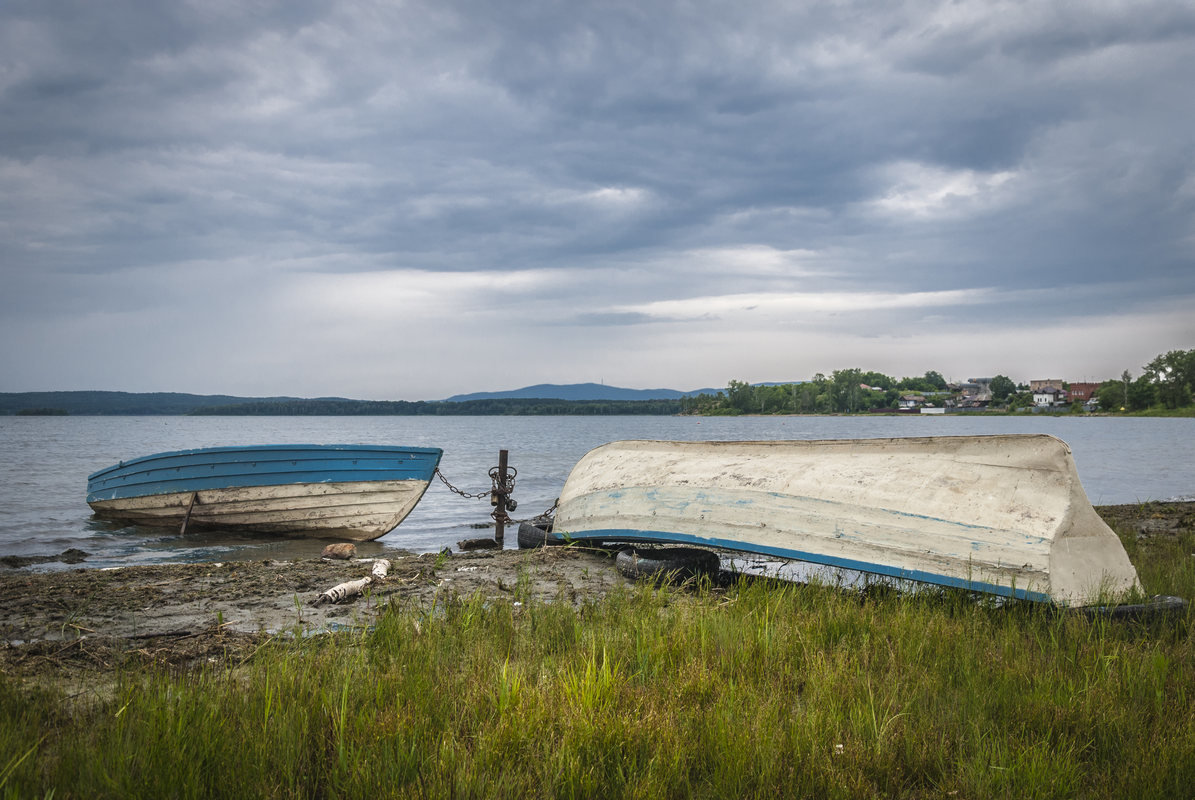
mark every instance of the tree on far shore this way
{"type": "Point", "coordinates": [1173, 377]}
{"type": "Point", "coordinates": [1002, 388]}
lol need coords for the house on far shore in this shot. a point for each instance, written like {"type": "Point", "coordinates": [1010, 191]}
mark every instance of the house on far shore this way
{"type": "Point", "coordinates": [976, 393]}
{"type": "Point", "coordinates": [910, 401]}
{"type": "Point", "coordinates": [1082, 391]}
{"type": "Point", "coordinates": [1047, 396]}
{"type": "Point", "coordinates": [1046, 383]}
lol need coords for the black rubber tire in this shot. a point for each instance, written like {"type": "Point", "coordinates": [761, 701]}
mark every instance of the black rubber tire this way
{"type": "Point", "coordinates": [667, 562]}
{"type": "Point", "coordinates": [1157, 607]}
{"type": "Point", "coordinates": [532, 536]}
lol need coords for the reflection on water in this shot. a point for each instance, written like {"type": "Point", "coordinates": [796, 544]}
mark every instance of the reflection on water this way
{"type": "Point", "coordinates": [46, 460]}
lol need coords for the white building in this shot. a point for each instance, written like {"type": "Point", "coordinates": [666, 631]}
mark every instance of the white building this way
{"type": "Point", "coordinates": [1049, 396]}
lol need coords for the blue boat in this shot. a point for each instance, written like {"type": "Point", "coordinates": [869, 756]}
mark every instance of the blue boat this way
{"type": "Point", "coordinates": [346, 491]}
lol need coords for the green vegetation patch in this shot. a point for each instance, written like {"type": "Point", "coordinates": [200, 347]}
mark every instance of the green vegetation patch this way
{"type": "Point", "coordinates": [757, 691]}
{"type": "Point", "coordinates": [761, 689]}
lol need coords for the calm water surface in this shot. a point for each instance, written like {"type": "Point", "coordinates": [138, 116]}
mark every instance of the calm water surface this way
{"type": "Point", "coordinates": [45, 461]}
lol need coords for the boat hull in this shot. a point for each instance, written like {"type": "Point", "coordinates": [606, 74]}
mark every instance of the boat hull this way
{"type": "Point", "coordinates": [355, 492]}
{"type": "Point", "coordinates": [999, 514]}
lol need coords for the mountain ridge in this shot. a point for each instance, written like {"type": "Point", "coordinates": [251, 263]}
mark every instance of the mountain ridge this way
{"type": "Point", "coordinates": [104, 402]}
{"type": "Point", "coordinates": [113, 402]}
{"type": "Point", "coordinates": [578, 391]}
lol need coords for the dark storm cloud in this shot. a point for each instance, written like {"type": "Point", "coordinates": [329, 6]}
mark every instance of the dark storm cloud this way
{"type": "Point", "coordinates": [872, 168]}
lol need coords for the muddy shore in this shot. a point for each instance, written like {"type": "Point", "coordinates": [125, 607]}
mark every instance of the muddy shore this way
{"type": "Point", "coordinates": [272, 596]}
{"type": "Point", "coordinates": [92, 619]}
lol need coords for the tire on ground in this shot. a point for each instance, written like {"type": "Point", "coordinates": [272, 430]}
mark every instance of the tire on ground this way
{"type": "Point", "coordinates": [667, 562]}
{"type": "Point", "coordinates": [1158, 607]}
{"type": "Point", "coordinates": [531, 536]}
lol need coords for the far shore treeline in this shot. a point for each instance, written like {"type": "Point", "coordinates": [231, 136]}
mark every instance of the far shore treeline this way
{"type": "Point", "coordinates": [520, 406]}
{"type": "Point", "coordinates": [1165, 386]}
{"type": "Point", "coordinates": [167, 403]}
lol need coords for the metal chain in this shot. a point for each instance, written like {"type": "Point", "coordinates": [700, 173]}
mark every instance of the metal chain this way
{"type": "Point", "coordinates": [497, 486]}
{"type": "Point", "coordinates": [506, 489]}
{"type": "Point", "coordinates": [478, 496]}
{"type": "Point", "coordinates": [546, 515]}
{"type": "Point", "coordinates": [495, 481]}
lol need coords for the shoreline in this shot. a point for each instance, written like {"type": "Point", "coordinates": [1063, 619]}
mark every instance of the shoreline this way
{"type": "Point", "coordinates": [273, 597]}
{"type": "Point", "coordinates": [88, 619]}
{"type": "Point", "coordinates": [1181, 413]}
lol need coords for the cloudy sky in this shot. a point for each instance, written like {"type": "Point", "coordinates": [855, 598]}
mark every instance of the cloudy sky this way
{"type": "Point", "coordinates": [407, 200]}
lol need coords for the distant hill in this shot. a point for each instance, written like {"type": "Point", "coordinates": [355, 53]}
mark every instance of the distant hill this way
{"type": "Point", "coordinates": [176, 403]}
{"type": "Point", "coordinates": [579, 391]}
{"type": "Point", "coordinates": [131, 403]}
{"type": "Point", "coordinates": [95, 403]}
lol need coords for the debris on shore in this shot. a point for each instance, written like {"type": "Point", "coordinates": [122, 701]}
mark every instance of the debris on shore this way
{"type": "Point", "coordinates": [87, 618]}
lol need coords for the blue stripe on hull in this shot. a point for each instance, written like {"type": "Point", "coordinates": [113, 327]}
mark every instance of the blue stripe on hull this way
{"type": "Point", "coordinates": [264, 465]}
{"type": "Point", "coordinates": [670, 537]}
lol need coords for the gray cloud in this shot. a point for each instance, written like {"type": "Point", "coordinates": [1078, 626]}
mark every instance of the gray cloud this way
{"type": "Point", "coordinates": [870, 177]}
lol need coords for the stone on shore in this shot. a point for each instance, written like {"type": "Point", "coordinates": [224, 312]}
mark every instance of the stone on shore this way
{"type": "Point", "coordinates": [342, 550]}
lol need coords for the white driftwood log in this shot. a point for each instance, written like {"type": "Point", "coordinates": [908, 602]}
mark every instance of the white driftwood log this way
{"type": "Point", "coordinates": [344, 591]}
{"type": "Point", "coordinates": [350, 589]}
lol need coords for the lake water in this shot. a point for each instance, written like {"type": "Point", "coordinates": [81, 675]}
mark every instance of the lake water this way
{"type": "Point", "coordinates": [45, 461]}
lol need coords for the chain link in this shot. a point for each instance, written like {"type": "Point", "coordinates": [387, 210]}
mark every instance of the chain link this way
{"type": "Point", "coordinates": [497, 485]}
{"type": "Point", "coordinates": [506, 488]}
{"type": "Point", "coordinates": [462, 493]}
{"type": "Point", "coordinates": [547, 515]}
{"type": "Point", "coordinates": [496, 479]}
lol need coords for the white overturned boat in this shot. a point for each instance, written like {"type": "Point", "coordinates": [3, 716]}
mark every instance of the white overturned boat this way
{"type": "Point", "coordinates": [999, 514]}
{"type": "Point", "coordinates": [356, 492]}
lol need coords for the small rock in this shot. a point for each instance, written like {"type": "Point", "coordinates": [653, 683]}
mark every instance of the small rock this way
{"type": "Point", "coordinates": [478, 544]}
{"type": "Point", "coordinates": [340, 550]}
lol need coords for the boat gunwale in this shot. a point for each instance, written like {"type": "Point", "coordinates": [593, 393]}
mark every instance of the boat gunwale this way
{"type": "Point", "coordinates": [867, 440]}
{"type": "Point", "coordinates": [740, 546]}
{"type": "Point", "coordinates": [381, 448]}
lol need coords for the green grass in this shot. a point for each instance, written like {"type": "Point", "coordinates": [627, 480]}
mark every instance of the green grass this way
{"type": "Point", "coordinates": [1159, 411]}
{"type": "Point", "coordinates": [759, 690]}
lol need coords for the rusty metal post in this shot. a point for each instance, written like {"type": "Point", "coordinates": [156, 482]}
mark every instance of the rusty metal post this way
{"type": "Point", "coordinates": [500, 511]}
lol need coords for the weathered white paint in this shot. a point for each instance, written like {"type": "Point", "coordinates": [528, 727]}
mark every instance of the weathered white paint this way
{"type": "Point", "coordinates": [355, 510]}
{"type": "Point", "coordinates": [343, 591]}
{"type": "Point", "coordinates": [998, 513]}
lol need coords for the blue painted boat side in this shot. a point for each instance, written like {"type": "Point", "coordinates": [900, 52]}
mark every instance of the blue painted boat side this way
{"type": "Point", "coordinates": [277, 452]}
{"type": "Point", "coordinates": [673, 538]}
{"type": "Point", "coordinates": [262, 465]}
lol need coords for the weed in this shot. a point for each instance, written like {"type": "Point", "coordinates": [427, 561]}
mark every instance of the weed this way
{"type": "Point", "coordinates": [758, 688]}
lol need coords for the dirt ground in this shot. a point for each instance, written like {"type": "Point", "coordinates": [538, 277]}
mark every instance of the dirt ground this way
{"type": "Point", "coordinates": [88, 619]}
{"type": "Point", "coordinates": [82, 620]}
